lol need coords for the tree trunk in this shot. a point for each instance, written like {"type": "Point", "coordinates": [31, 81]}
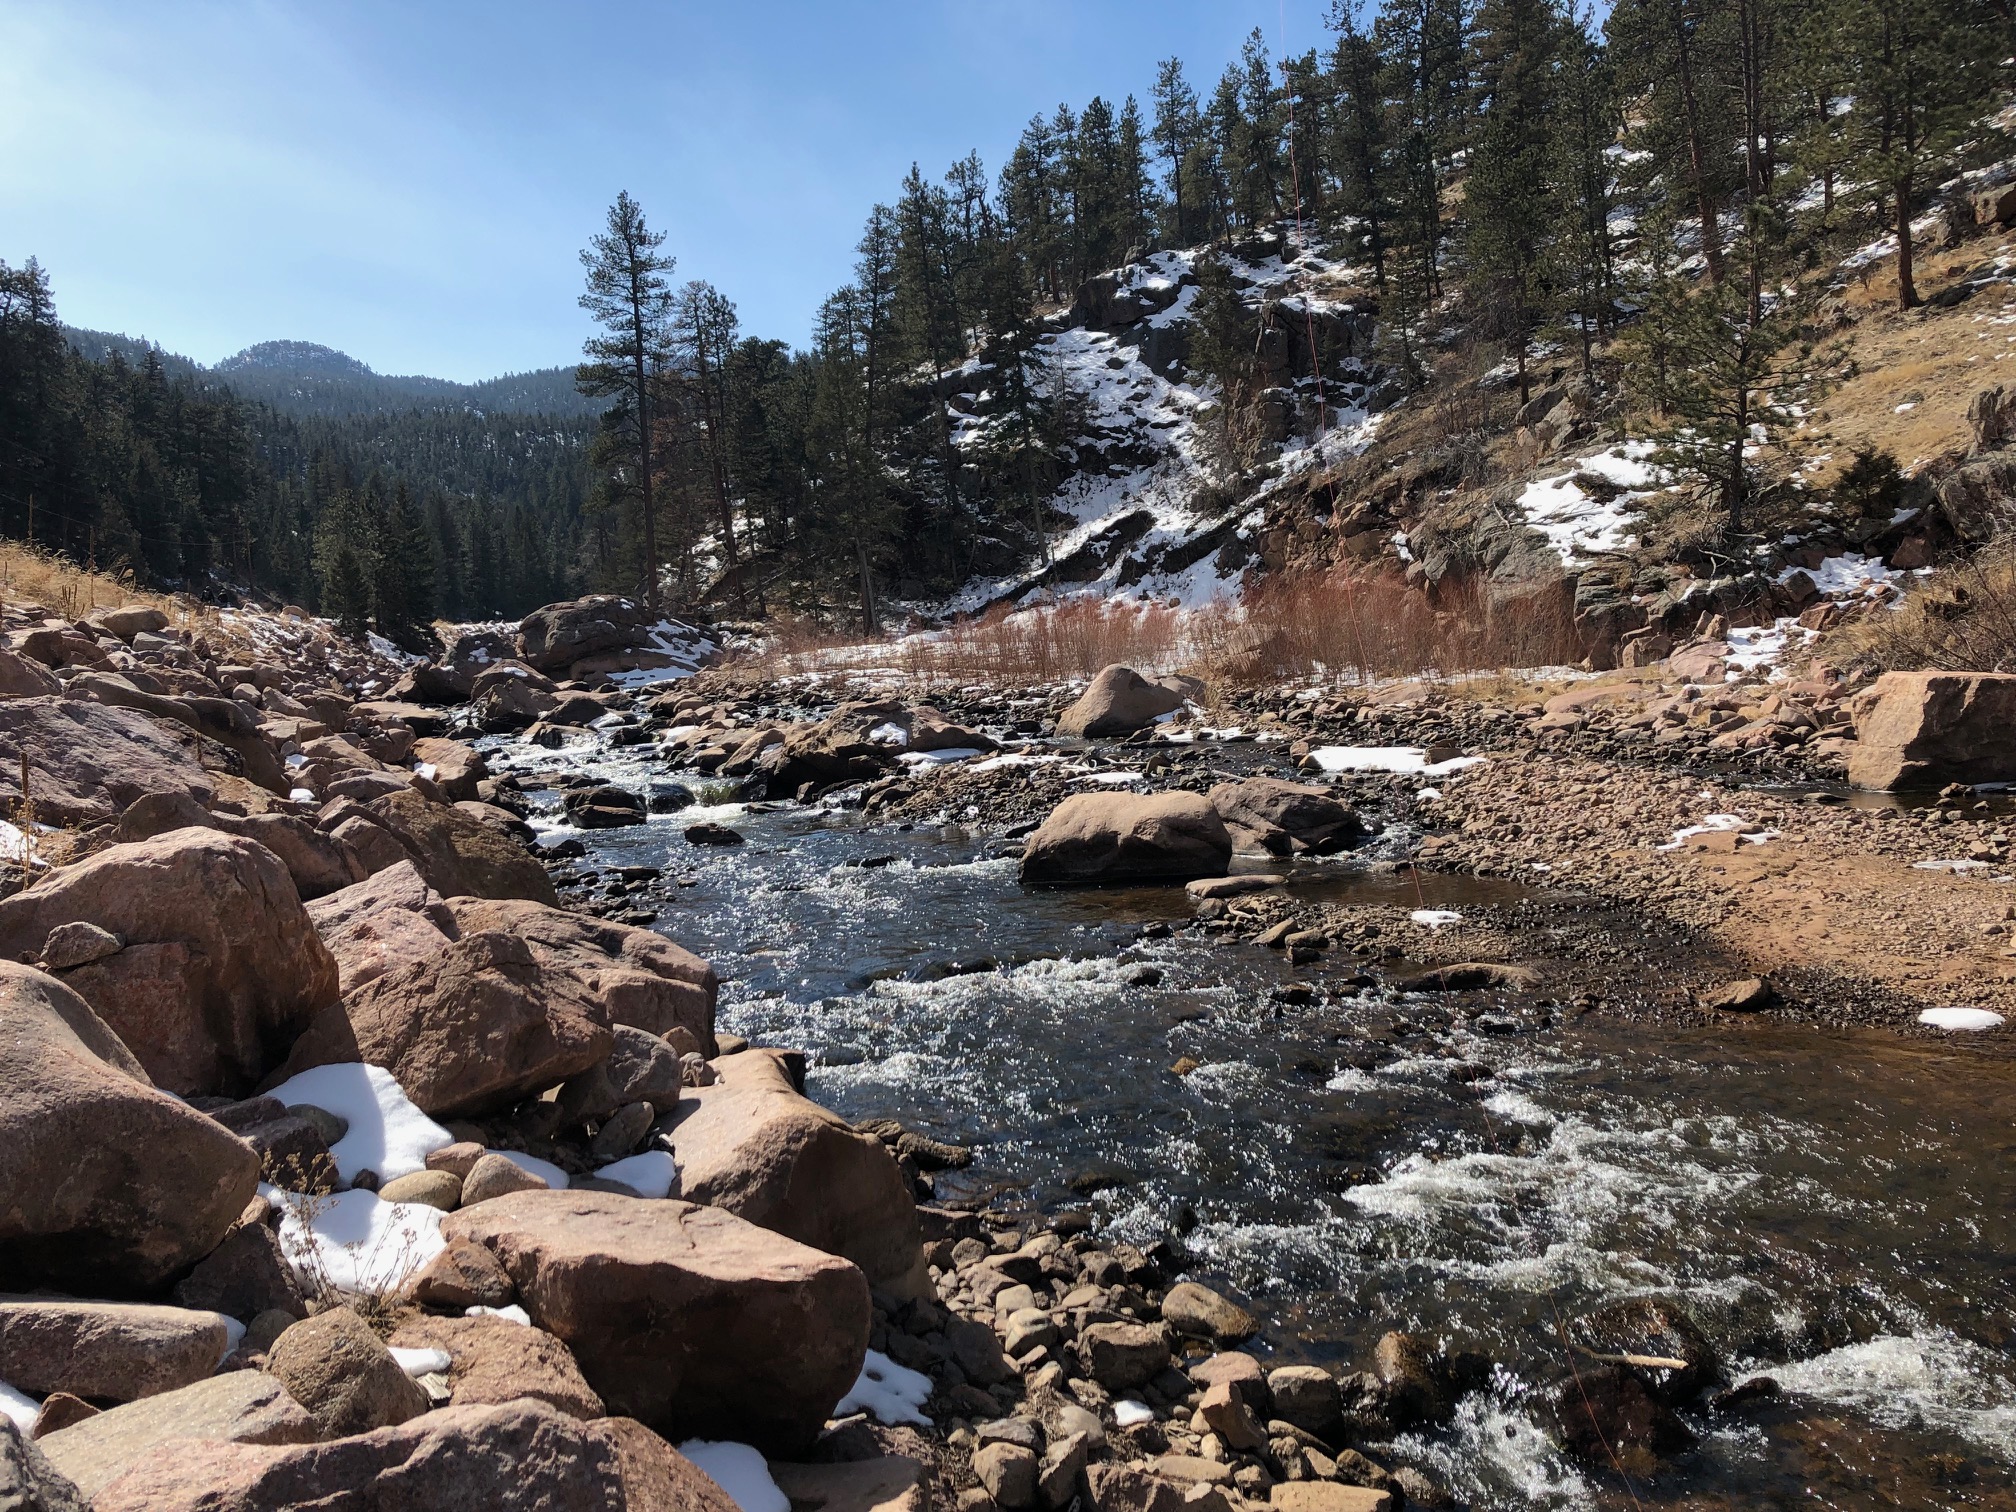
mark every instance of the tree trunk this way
{"type": "Point", "coordinates": [1907, 287]}
{"type": "Point", "coordinates": [1697, 156]}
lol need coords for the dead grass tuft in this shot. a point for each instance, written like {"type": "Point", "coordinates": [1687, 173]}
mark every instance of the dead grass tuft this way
{"type": "Point", "coordinates": [1960, 619]}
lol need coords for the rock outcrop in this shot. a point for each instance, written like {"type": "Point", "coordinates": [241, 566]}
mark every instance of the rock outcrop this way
{"type": "Point", "coordinates": [1926, 729]}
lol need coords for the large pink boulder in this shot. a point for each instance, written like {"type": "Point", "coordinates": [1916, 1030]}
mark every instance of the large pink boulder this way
{"type": "Point", "coordinates": [1093, 838]}
{"type": "Point", "coordinates": [106, 1184]}
{"type": "Point", "coordinates": [1926, 729]}
{"type": "Point", "coordinates": [219, 970]}
{"type": "Point", "coordinates": [687, 1318]}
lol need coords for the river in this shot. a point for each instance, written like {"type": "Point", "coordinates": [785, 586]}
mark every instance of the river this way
{"type": "Point", "coordinates": [1833, 1208]}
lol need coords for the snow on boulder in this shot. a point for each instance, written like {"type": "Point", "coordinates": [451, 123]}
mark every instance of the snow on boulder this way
{"type": "Point", "coordinates": [387, 1133]}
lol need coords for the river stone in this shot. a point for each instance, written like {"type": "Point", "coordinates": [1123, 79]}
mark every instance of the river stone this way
{"type": "Point", "coordinates": [1123, 1356]}
{"type": "Point", "coordinates": [640, 1067]}
{"type": "Point", "coordinates": [114, 1351]}
{"type": "Point", "coordinates": [623, 1132]}
{"type": "Point", "coordinates": [1649, 1326]}
{"type": "Point", "coordinates": [1405, 1365]}
{"type": "Point", "coordinates": [242, 1406]}
{"type": "Point", "coordinates": [435, 1189]}
{"type": "Point", "coordinates": [495, 1360]}
{"type": "Point", "coordinates": [1306, 1396]}
{"type": "Point", "coordinates": [1124, 1488]}
{"type": "Point", "coordinates": [1608, 1413]}
{"type": "Point", "coordinates": [463, 1275]}
{"type": "Point", "coordinates": [1118, 701]}
{"type": "Point", "coordinates": [1224, 1408]}
{"type": "Point", "coordinates": [1329, 1496]}
{"type": "Point", "coordinates": [520, 1457]}
{"type": "Point", "coordinates": [336, 1367]}
{"type": "Point", "coordinates": [1233, 887]}
{"type": "Point", "coordinates": [496, 1176]}
{"type": "Point", "coordinates": [317, 863]}
{"type": "Point", "coordinates": [1094, 838]}
{"type": "Point", "coordinates": [887, 1483]}
{"type": "Point", "coordinates": [105, 1183]}
{"type": "Point", "coordinates": [754, 1145]}
{"type": "Point", "coordinates": [1197, 1312]}
{"type": "Point", "coordinates": [687, 1318]}
{"type": "Point", "coordinates": [60, 1410]}
{"type": "Point", "coordinates": [28, 1482]}
{"type": "Point", "coordinates": [1008, 1472]}
{"type": "Point", "coordinates": [78, 944]}
{"type": "Point", "coordinates": [221, 967]}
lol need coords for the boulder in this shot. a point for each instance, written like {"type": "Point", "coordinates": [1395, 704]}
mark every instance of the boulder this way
{"type": "Point", "coordinates": [244, 1276]}
{"type": "Point", "coordinates": [1093, 838]}
{"type": "Point", "coordinates": [470, 1029]}
{"type": "Point", "coordinates": [553, 638]}
{"type": "Point", "coordinates": [616, 973]}
{"type": "Point", "coordinates": [640, 1067]}
{"type": "Point", "coordinates": [1307, 1397]}
{"type": "Point", "coordinates": [1607, 1415]}
{"type": "Point", "coordinates": [1197, 1312]}
{"type": "Point", "coordinates": [87, 761]}
{"type": "Point", "coordinates": [1119, 702]}
{"type": "Point", "coordinates": [496, 1176]}
{"type": "Point", "coordinates": [337, 1368]}
{"type": "Point", "coordinates": [109, 1351]}
{"type": "Point", "coordinates": [658, 1478]}
{"type": "Point", "coordinates": [1329, 1496]}
{"type": "Point", "coordinates": [221, 968]}
{"type": "Point", "coordinates": [240, 1407]}
{"type": "Point", "coordinates": [1264, 813]}
{"type": "Point", "coordinates": [105, 1182]}
{"type": "Point", "coordinates": [521, 1457]}
{"type": "Point", "coordinates": [318, 863]}
{"type": "Point", "coordinates": [130, 620]}
{"type": "Point", "coordinates": [432, 684]}
{"type": "Point", "coordinates": [1926, 729]}
{"type": "Point", "coordinates": [685, 1317]}
{"type": "Point", "coordinates": [1125, 1488]}
{"type": "Point", "coordinates": [510, 696]}
{"type": "Point", "coordinates": [451, 765]}
{"type": "Point", "coordinates": [28, 1482]}
{"type": "Point", "coordinates": [22, 678]}
{"type": "Point", "coordinates": [855, 742]}
{"type": "Point", "coordinates": [459, 856]}
{"type": "Point", "coordinates": [755, 1146]}
{"type": "Point", "coordinates": [493, 1360]}
{"type": "Point", "coordinates": [1654, 1328]}
{"type": "Point", "coordinates": [223, 720]}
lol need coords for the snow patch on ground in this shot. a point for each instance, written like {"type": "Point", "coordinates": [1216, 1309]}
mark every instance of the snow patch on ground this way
{"type": "Point", "coordinates": [1403, 759]}
{"type": "Point", "coordinates": [888, 1392]}
{"type": "Point", "coordinates": [387, 1134]}
{"type": "Point", "coordinates": [532, 1165]}
{"type": "Point", "coordinates": [354, 1242]}
{"type": "Point", "coordinates": [652, 1174]}
{"type": "Point", "coordinates": [1963, 1019]}
{"type": "Point", "coordinates": [1578, 524]}
{"type": "Point", "coordinates": [740, 1471]}
{"type": "Point", "coordinates": [19, 1407]}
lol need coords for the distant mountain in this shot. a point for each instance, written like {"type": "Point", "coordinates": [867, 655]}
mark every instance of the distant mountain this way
{"type": "Point", "coordinates": [304, 379]}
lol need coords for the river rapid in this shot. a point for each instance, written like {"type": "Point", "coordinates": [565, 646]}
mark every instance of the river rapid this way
{"type": "Point", "coordinates": [1833, 1208]}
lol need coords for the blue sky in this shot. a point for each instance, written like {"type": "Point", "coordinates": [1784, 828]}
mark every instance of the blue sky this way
{"type": "Point", "coordinates": [412, 182]}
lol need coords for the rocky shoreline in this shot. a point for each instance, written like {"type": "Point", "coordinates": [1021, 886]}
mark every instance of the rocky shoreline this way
{"type": "Point", "coordinates": [326, 1060]}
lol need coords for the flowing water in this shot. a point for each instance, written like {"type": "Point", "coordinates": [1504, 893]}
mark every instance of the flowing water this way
{"type": "Point", "coordinates": [1833, 1208]}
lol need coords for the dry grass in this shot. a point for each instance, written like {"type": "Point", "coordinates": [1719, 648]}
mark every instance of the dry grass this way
{"type": "Point", "coordinates": [1960, 619]}
{"type": "Point", "coordinates": [31, 575]}
{"type": "Point", "coordinates": [1343, 626]}
{"type": "Point", "coordinates": [1933, 361]}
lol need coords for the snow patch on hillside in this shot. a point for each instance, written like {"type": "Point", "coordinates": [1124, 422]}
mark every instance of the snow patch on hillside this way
{"type": "Point", "coordinates": [1582, 521]}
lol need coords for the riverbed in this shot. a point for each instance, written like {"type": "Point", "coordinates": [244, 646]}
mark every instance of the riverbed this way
{"type": "Point", "coordinates": [1832, 1207]}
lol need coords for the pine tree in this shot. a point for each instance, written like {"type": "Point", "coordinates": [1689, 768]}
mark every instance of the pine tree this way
{"type": "Point", "coordinates": [1177, 130]}
{"type": "Point", "coordinates": [1512, 216]}
{"type": "Point", "coordinates": [1358, 138]}
{"type": "Point", "coordinates": [401, 565]}
{"type": "Point", "coordinates": [1132, 223]}
{"type": "Point", "coordinates": [1921, 73]}
{"type": "Point", "coordinates": [630, 297]}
